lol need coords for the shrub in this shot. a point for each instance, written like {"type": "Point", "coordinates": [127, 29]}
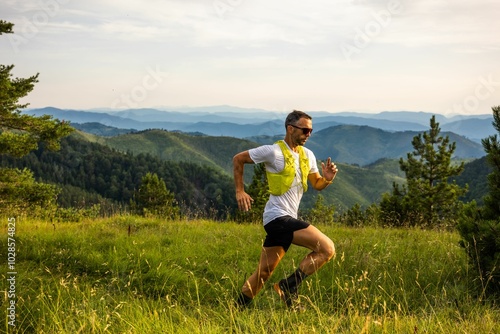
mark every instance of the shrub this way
{"type": "Point", "coordinates": [320, 212]}
{"type": "Point", "coordinates": [481, 240]}
{"type": "Point", "coordinates": [21, 194]}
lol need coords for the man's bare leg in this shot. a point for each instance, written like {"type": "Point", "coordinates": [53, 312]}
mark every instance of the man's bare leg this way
{"type": "Point", "coordinates": [270, 257]}
{"type": "Point", "coordinates": [323, 250]}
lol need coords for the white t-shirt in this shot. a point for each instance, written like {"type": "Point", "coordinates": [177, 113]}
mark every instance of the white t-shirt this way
{"type": "Point", "coordinates": [288, 203]}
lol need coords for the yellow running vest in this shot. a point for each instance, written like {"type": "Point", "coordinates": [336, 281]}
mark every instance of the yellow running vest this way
{"type": "Point", "coordinates": [279, 183]}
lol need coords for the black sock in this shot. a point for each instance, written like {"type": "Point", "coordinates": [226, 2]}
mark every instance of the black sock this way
{"type": "Point", "coordinates": [293, 281]}
{"type": "Point", "coordinates": [243, 300]}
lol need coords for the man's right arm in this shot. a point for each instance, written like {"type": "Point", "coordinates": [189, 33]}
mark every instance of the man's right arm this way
{"type": "Point", "coordinates": [239, 160]}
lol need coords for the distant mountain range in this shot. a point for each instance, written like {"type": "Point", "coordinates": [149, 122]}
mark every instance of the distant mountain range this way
{"type": "Point", "coordinates": [242, 123]}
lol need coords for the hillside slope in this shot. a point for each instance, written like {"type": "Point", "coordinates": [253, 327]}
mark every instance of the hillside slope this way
{"type": "Point", "coordinates": [353, 185]}
{"type": "Point", "coordinates": [363, 145]}
{"type": "Point", "coordinates": [216, 152]}
{"type": "Point", "coordinates": [198, 169]}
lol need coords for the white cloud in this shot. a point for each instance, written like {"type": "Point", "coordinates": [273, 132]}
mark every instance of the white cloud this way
{"type": "Point", "coordinates": [258, 51]}
{"type": "Point", "coordinates": [424, 23]}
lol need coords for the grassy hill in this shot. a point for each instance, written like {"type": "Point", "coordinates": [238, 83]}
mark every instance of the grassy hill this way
{"type": "Point", "coordinates": [358, 185]}
{"type": "Point", "coordinates": [100, 129]}
{"type": "Point", "coordinates": [133, 275]}
{"type": "Point", "coordinates": [216, 152]}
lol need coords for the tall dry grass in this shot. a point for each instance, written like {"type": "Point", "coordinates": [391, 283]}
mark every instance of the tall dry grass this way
{"type": "Point", "coordinates": [133, 275]}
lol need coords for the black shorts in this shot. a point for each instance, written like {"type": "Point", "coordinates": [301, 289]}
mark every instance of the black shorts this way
{"type": "Point", "coordinates": [280, 231]}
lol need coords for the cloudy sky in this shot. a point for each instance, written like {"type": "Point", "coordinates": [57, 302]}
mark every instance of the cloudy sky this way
{"type": "Point", "coordinates": [439, 56]}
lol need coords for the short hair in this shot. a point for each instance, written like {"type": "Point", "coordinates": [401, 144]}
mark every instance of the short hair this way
{"type": "Point", "coordinates": [294, 117]}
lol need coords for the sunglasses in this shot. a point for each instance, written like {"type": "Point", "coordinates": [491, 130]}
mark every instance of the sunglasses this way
{"type": "Point", "coordinates": [305, 131]}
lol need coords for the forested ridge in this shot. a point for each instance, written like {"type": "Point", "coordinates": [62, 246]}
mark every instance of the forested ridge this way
{"type": "Point", "coordinates": [198, 169]}
{"type": "Point", "coordinates": [91, 169]}
{"type": "Point", "coordinates": [213, 151]}
{"type": "Point", "coordinates": [475, 176]}
{"type": "Point", "coordinates": [88, 172]}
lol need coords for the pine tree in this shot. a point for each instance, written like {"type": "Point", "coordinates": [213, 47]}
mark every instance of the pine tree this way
{"type": "Point", "coordinates": [154, 199]}
{"type": "Point", "coordinates": [21, 194]}
{"type": "Point", "coordinates": [320, 212]}
{"type": "Point", "coordinates": [480, 227]}
{"type": "Point", "coordinates": [428, 169]}
{"type": "Point", "coordinates": [395, 209]}
{"type": "Point", "coordinates": [259, 191]}
{"type": "Point", "coordinates": [20, 133]}
{"type": "Point", "coordinates": [491, 146]}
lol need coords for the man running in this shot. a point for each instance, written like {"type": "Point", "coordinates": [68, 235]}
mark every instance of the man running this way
{"type": "Point", "coordinates": [289, 165]}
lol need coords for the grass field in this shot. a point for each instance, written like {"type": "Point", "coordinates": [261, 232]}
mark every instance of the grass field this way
{"type": "Point", "coordinates": [134, 275]}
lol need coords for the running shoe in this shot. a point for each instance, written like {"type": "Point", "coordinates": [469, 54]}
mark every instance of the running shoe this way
{"type": "Point", "coordinates": [290, 298]}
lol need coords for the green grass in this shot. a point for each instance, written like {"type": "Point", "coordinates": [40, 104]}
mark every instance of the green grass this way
{"type": "Point", "coordinates": [182, 277]}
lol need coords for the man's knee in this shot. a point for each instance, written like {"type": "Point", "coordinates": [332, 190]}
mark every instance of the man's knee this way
{"type": "Point", "coordinates": [329, 250]}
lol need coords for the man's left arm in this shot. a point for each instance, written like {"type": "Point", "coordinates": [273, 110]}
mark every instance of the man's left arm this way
{"type": "Point", "coordinates": [329, 171]}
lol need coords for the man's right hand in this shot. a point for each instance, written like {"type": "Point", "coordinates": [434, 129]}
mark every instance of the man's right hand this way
{"type": "Point", "coordinates": [244, 201]}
